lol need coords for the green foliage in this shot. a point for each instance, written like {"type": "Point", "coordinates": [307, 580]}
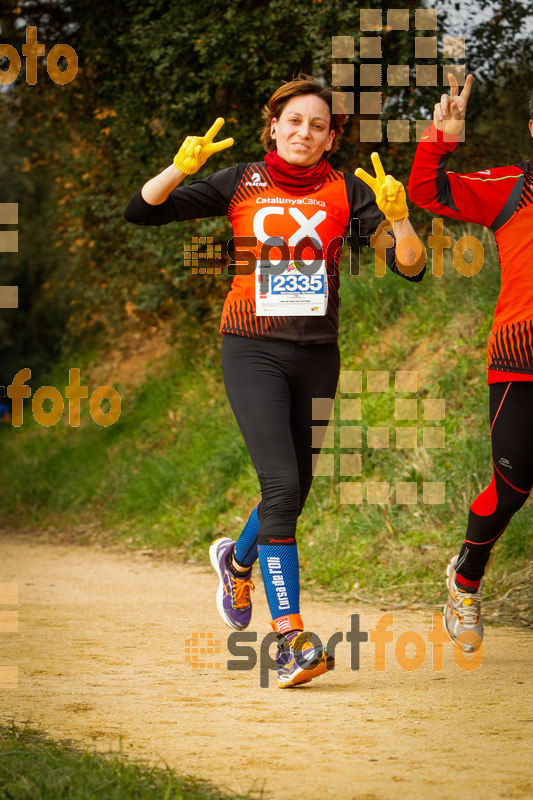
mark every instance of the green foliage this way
{"type": "Point", "coordinates": [149, 75]}
{"type": "Point", "coordinates": [499, 53]}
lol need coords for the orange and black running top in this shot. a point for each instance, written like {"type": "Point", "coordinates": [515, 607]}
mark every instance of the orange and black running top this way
{"type": "Point", "coordinates": [501, 199]}
{"type": "Point", "coordinates": [259, 210]}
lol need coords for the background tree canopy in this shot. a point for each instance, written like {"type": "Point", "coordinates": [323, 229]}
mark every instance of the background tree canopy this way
{"type": "Point", "coordinates": [149, 74]}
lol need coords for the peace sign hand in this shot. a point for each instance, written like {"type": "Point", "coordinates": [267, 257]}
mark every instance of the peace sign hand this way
{"type": "Point", "coordinates": [449, 114]}
{"type": "Point", "coordinates": [390, 193]}
{"type": "Point", "coordinates": [195, 150]}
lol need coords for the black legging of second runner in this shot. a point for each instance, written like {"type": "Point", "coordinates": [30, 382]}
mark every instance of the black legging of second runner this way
{"type": "Point", "coordinates": [511, 419]}
{"type": "Point", "coordinates": [270, 387]}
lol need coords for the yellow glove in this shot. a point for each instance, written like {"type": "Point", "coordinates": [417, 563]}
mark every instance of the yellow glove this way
{"type": "Point", "coordinates": [390, 193]}
{"type": "Point", "coordinates": [195, 150]}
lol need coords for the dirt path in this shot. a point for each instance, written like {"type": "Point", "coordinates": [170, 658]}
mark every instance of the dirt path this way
{"type": "Point", "coordinates": [101, 652]}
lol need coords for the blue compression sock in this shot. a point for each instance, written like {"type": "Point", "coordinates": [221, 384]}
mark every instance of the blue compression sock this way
{"type": "Point", "coordinates": [280, 573]}
{"type": "Point", "coordinates": [245, 551]}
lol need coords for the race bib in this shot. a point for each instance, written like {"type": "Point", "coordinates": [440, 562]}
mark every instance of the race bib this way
{"type": "Point", "coordinates": [291, 293]}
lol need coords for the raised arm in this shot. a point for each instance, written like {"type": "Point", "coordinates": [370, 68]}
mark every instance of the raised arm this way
{"type": "Point", "coordinates": [391, 200]}
{"type": "Point", "coordinates": [192, 154]}
{"type": "Point", "coordinates": [477, 197]}
{"type": "Point", "coordinates": [449, 114]}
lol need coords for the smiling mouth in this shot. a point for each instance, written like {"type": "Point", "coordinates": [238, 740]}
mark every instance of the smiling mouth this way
{"type": "Point", "coordinates": [300, 146]}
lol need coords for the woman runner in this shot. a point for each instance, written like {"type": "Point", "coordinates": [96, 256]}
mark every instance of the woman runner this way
{"type": "Point", "coordinates": [502, 199]}
{"type": "Point", "coordinates": [279, 349]}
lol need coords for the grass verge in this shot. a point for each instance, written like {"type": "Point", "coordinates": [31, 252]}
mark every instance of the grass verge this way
{"type": "Point", "coordinates": [33, 767]}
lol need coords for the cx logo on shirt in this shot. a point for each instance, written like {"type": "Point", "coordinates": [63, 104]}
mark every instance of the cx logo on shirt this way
{"type": "Point", "coordinates": [303, 245]}
{"type": "Point", "coordinates": [307, 227]}
{"type": "Point", "coordinates": [295, 245]}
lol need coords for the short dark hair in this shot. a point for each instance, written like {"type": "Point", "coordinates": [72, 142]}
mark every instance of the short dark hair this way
{"type": "Point", "coordinates": [303, 84]}
{"type": "Point", "coordinates": [531, 107]}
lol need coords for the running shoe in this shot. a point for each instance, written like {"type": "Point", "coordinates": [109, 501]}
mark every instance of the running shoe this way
{"type": "Point", "coordinates": [233, 594]}
{"type": "Point", "coordinates": [462, 612]}
{"type": "Point", "coordinates": [299, 661]}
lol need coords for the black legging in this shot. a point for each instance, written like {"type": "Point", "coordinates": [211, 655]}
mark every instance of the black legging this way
{"type": "Point", "coordinates": [511, 418]}
{"type": "Point", "coordinates": [270, 386]}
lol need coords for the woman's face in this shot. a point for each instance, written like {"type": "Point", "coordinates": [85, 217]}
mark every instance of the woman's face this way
{"type": "Point", "coordinates": [302, 131]}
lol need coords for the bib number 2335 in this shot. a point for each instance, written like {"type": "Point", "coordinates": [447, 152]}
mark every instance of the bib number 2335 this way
{"type": "Point", "coordinates": [291, 292]}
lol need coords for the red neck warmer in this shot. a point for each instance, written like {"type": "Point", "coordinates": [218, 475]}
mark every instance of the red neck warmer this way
{"type": "Point", "coordinates": [295, 179]}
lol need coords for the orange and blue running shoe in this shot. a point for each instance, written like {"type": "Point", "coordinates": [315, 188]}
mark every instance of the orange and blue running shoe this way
{"type": "Point", "coordinates": [299, 661]}
{"type": "Point", "coordinates": [233, 593]}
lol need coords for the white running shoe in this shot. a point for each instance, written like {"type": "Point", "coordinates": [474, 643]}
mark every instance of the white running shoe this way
{"type": "Point", "coordinates": [462, 613]}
